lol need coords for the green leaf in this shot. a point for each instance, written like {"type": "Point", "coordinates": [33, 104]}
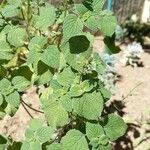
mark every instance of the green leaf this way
{"type": "Point", "coordinates": [114, 127]}
{"type": "Point", "coordinates": [44, 134]}
{"type": "Point", "coordinates": [35, 124]}
{"type": "Point", "coordinates": [45, 95]}
{"type": "Point", "coordinates": [89, 106]}
{"type": "Point", "coordinates": [44, 73]}
{"type": "Point", "coordinates": [10, 11]}
{"type": "Point", "coordinates": [2, 114]}
{"type": "Point", "coordinates": [107, 23]}
{"type": "Point", "coordinates": [92, 23]}
{"type": "Point", "coordinates": [45, 77]}
{"type": "Point", "coordinates": [79, 44]}
{"type": "Point", "coordinates": [86, 86]}
{"type": "Point", "coordinates": [103, 147]}
{"type": "Point", "coordinates": [1, 99]}
{"type": "Point", "coordinates": [103, 140]}
{"type": "Point", "coordinates": [31, 145]}
{"type": "Point", "coordinates": [7, 28]}
{"type": "Point", "coordinates": [5, 86]}
{"type": "Point", "coordinates": [46, 17]}
{"type": "Point", "coordinates": [37, 43]}
{"type": "Point", "coordinates": [33, 58]}
{"type": "Point", "coordinates": [38, 134]}
{"type": "Point", "coordinates": [100, 65]}
{"type": "Point", "coordinates": [77, 62]}
{"type": "Point", "coordinates": [10, 109]}
{"type": "Point", "coordinates": [54, 146]}
{"type": "Point", "coordinates": [56, 115]}
{"type": "Point", "coordinates": [29, 134]}
{"type": "Point", "coordinates": [99, 141]}
{"type": "Point", "coordinates": [98, 5]}
{"type": "Point", "coordinates": [13, 99]}
{"type": "Point", "coordinates": [79, 89]}
{"type": "Point", "coordinates": [14, 2]}
{"type": "Point", "coordinates": [51, 57]}
{"type": "Point", "coordinates": [4, 46]}
{"type": "Point", "coordinates": [66, 102]}
{"type": "Point", "coordinates": [2, 21]}
{"type": "Point", "coordinates": [74, 140]}
{"type": "Point", "coordinates": [66, 77]}
{"type": "Point", "coordinates": [80, 9]}
{"type": "Point", "coordinates": [3, 72]}
{"type": "Point", "coordinates": [17, 36]}
{"type": "Point", "coordinates": [88, 4]}
{"type": "Point", "coordinates": [72, 26]}
{"type": "Point", "coordinates": [24, 71]}
{"type": "Point", "coordinates": [25, 146]}
{"type": "Point", "coordinates": [110, 45]}
{"type": "Point", "coordinates": [62, 61]}
{"type": "Point", "coordinates": [3, 140]}
{"type": "Point", "coordinates": [76, 90]}
{"type": "Point", "coordinates": [5, 50]}
{"type": "Point", "coordinates": [105, 93]}
{"type": "Point", "coordinates": [94, 130]}
{"type": "Point", "coordinates": [20, 83]}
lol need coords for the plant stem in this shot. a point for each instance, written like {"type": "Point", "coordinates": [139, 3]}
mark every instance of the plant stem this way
{"type": "Point", "coordinates": [22, 14]}
{"type": "Point", "coordinates": [38, 7]}
{"type": "Point", "coordinates": [32, 107]}
{"type": "Point", "coordinates": [27, 111]}
{"type": "Point", "coordinates": [3, 2]}
{"type": "Point", "coordinates": [28, 19]}
{"type": "Point", "coordinates": [65, 6]}
{"type": "Point", "coordinates": [131, 91]}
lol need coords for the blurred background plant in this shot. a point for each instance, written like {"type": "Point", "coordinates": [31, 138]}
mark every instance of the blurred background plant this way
{"type": "Point", "coordinates": [109, 76]}
{"type": "Point", "coordinates": [135, 30]}
{"type": "Point", "coordinates": [132, 55]}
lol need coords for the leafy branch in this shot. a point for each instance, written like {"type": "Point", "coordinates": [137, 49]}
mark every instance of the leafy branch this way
{"type": "Point", "coordinates": [53, 52]}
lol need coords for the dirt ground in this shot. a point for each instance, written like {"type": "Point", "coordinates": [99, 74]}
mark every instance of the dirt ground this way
{"type": "Point", "coordinates": [131, 101]}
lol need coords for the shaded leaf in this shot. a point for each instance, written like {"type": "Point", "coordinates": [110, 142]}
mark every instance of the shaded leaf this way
{"type": "Point", "coordinates": [78, 44]}
{"type": "Point", "coordinates": [110, 46]}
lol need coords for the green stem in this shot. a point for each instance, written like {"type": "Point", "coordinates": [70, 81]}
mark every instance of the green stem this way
{"type": "Point", "coordinates": [3, 2]}
{"type": "Point", "coordinates": [65, 4]}
{"type": "Point", "coordinates": [38, 2]}
{"type": "Point", "coordinates": [22, 14]}
{"type": "Point", "coordinates": [28, 19]}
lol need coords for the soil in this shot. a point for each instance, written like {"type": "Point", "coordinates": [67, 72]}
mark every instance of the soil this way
{"type": "Point", "coordinates": [131, 101]}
